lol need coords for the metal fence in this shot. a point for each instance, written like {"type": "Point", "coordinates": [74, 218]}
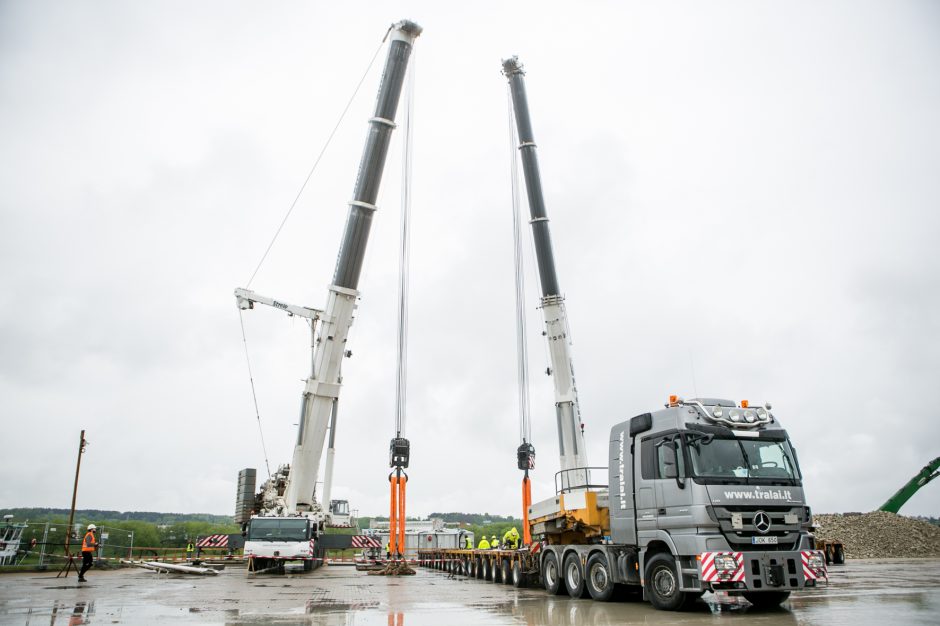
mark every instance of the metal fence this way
{"type": "Point", "coordinates": [42, 544]}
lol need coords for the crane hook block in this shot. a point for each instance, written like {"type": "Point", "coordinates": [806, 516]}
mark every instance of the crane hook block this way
{"type": "Point", "coordinates": [526, 456]}
{"type": "Point", "coordinates": [398, 452]}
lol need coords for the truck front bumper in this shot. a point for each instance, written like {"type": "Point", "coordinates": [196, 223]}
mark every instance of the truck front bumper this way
{"type": "Point", "coordinates": [761, 571]}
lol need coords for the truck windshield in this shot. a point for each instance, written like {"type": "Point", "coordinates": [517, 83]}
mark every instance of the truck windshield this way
{"type": "Point", "coordinates": [742, 458]}
{"type": "Point", "coordinates": [278, 530]}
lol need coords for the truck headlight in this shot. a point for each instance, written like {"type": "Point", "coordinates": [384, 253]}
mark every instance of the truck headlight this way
{"type": "Point", "coordinates": [750, 416]}
{"type": "Point", "coordinates": [726, 563]}
{"type": "Point", "coordinates": [717, 412]}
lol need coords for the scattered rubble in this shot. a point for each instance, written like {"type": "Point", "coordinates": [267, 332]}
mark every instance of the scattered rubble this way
{"type": "Point", "coordinates": [395, 568]}
{"type": "Point", "coordinates": [880, 535]}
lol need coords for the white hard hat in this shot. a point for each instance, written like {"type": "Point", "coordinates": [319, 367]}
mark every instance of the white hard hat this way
{"type": "Point", "coordinates": [92, 527]}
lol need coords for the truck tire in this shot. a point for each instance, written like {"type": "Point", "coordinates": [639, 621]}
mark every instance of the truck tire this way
{"type": "Point", "coordinates": [308, 565]}
{"type": "Point", "coordinates": [662, 583]}
{"type": "Point", "coordinates": [838, 555]}
{"type": "Point", "coordinates": [487, 569]}
{"type": "Point", "coordinates": [551, 575]}
{"type": "Point", "coordinates": [518, 576]}
{"type": "Point", "coordinates": [574, 576]}
{"type": "Point", "coordinates": [505, 572]}
{"type": "Point", "coordinates": [478, 568]}
{"type": "Point", "coordinates": [597, 578]}
{"type": "Point", "coordinates": [767, 599]}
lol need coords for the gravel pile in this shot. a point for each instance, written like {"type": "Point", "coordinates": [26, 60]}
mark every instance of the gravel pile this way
{"type": "Point", "coordinates": [880, 535]}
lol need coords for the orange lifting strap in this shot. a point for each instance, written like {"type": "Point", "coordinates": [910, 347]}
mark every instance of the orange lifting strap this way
{"type": "Point", "coordinates": [393, 516]}
{"type": "Point", "coordinates": [396, 515]}
{"type": "Point", "coordinates": [526, 503]}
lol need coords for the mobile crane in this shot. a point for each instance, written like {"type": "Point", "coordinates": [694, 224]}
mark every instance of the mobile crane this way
{"type": "Point", "coordinates": [291, 520]}
{"type": "Point", "coordinates": [705, 494]}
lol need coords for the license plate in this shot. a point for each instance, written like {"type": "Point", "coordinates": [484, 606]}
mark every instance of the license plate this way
{"type": "Point", "coordinates": [763, 540]}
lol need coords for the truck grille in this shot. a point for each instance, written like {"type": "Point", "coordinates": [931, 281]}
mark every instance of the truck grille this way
{"type": "Point", "coordinates": [741, 537]}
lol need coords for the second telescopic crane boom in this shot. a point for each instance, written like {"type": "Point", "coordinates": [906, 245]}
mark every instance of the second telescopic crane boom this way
{"type": "Point", "coordinates": [572, 453]}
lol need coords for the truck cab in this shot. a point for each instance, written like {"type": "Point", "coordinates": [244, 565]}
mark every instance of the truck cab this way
{"type": "Point", "coordinates": [340, 516]}
{"type": "Point", "coordinates": [271, 542]}
{"type": "Point", "coordinates": [710, 494]}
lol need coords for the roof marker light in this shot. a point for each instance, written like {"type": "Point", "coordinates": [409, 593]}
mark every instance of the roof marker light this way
{"type": "Point", "coordinates": [744, 404]}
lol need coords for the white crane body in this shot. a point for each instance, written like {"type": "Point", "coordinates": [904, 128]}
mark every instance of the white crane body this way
{"type": "Point", "coordinates": [291, 517]}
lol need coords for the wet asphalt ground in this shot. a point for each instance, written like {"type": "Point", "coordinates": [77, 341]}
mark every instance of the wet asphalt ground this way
{"type": "Point", "coordinates": [861, 592]}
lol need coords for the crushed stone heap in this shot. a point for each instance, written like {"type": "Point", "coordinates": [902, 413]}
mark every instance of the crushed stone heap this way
{"type": "Point", "coordinates": [880, 535]}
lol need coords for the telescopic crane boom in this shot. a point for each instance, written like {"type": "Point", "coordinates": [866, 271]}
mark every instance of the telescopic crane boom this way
{"type": "Point", "coordinates": [570, 428]}
{"type": "Point", "coordinates": [322, 388]}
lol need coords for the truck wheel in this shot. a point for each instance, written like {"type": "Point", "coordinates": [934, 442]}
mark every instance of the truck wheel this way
{"type": "Point", "coordinates": [838, 555]}
{"type": "Point", "coordinates": [574, 576]}
{"type": "Point", "coordinates": [597, 578]}
{"type": "Point", "coordinates": [662, 583]}
{"type": "Point", "coordinates": [505, 572]}
{"type": "Point", "coordinates": [518, 576]}
{"type": "Point", "coordinates": [478, 568]}
{"type": "Point", "coordinates": [767, 599]}
{"type": "Point", "coordinates": [487, 570]}
{"type": "Point", "coordinates": [497, 571]}
{"type": "Point", "coordinates": [551, 576]}
{"type": "Point", "coordinates": [308, 565]}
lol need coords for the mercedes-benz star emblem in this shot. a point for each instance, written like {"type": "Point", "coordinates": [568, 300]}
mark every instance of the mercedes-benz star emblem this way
{"type": "Point", "coordinates": [762, 522]}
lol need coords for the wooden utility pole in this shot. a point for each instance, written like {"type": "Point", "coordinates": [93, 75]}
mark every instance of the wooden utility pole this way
{"type": "Point", "coordinates": [68, 532]}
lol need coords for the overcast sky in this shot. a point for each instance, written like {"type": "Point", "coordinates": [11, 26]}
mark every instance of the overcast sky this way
{"type": "Point", "coordinates": [744, 202]}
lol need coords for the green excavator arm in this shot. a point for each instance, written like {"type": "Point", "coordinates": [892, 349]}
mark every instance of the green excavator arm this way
{"type": "Point", "coordinates": [924, 476]}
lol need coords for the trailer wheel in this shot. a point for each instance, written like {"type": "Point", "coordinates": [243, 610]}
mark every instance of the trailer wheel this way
{"type": "Point", "coordinates": [597, 578]}
{"type": "Point", "coordinates": [505, 572]}
{"type": "Point", "coordinates": [767, 599]}
{"type": "Point", "coordinates": [518, 576]}
{"type": "Point", "coordinates": [662, 583]}
{"type": "Point", "coordinates": [497, 571]}
{"type": "Point", "coordinates": [478, 568]}
{"type": "Point", "coordinates": [487, 570]}
{"type": "Point", "coordinates": [838, 555]}
{"type": "Point", "coordinates": [574, 576]}
{"type": "Point", "coordinates": [551, 576]}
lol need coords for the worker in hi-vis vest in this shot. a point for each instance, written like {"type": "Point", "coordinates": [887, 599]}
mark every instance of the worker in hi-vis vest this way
{"type": "Point", "coordinates": [89, 545]}
{"type": "Point", "coordinates": [494, 543]}
{"type": "Point", "coordinates": [511, 538]}
{"type": "Point", "coordinates": [468, 542]}
{"type": "Point", "coordinates": [484, 544]}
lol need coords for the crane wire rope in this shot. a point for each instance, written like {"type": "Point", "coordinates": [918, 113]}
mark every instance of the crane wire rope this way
{"type": "Point", "coordinates": [404, 258]}
{"type": "Point", "coordinates": [254, 395]}
{"type": "Point", "coordinates": [326, 145]}
{"type": "Point", "coordinates": [522, 357]}
{"type": "Point", "coordinates": [317, 161]}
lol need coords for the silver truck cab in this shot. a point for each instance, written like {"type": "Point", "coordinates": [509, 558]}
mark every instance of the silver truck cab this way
{"type": "Point", "coordinates": [711, 495]}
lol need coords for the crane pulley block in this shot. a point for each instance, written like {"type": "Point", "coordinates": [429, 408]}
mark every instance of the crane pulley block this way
{"type": "Point", "coordinates": [525, 456]}
{"type": "Point", "coordinates": [398, 452]}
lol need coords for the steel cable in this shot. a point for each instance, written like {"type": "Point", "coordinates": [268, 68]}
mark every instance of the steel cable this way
{"type": "Point", "coordinates": [405, 253]}
{"type": "Point", "coordinates": [522, 357]}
